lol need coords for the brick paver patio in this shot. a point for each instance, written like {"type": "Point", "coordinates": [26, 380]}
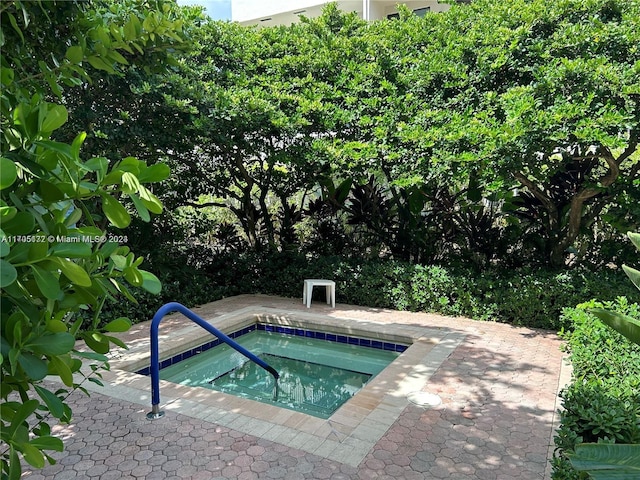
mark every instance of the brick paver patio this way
{"type": "Point", "coordinates": [498, 385]}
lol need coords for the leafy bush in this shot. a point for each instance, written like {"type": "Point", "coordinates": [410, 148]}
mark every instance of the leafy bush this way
{"type": "Point", "coordinates": [603, 402]}
{"type": "Point", "coordinates": [533, 298]}
{"type": "Point", "coordinates": [61, 212]}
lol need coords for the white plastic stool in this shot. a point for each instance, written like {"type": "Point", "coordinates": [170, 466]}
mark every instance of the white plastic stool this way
{"type": "Point", "coordinates": [307, 291]}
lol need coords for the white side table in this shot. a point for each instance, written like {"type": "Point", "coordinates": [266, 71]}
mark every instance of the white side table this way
{"type": "Point", "coordinates": [307, 291]}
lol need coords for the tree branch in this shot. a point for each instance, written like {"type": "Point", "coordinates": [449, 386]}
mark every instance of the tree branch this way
{"type": "Point", "coordinates": [204, 205]}
{"type": "Point", "coordinates": [537, 192]}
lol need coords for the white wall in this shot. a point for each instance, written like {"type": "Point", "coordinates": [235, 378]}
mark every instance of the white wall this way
{"type": "Point", "coordinates": [245, 10]}
{"type": "Point", "coordinates": [282, 11]}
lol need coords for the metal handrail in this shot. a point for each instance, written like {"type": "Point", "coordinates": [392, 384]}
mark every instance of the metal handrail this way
{"type": "Point", "coordinates": [155, 351]}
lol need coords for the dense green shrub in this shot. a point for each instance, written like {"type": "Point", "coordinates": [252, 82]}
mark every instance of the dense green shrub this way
{"type": "Point", "coordinates": [603, 401]}
{"type": "Point", "coordinates": [533, 298]}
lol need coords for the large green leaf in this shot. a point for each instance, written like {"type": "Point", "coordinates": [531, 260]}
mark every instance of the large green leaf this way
{"type": "Point", "coordinates": [58, 366]}
{"type": "Point", "coordinates": [142, 210]}
{"type": "Point", "coordinates": [32, 455]}
{"type": "Point", "coordinates": [47, 442]}
{"type": "Point", "coordinates": [623, 324]}
{"type": "Point", "coordinates": [150, 200]}
{"type": "Point", "coordinates": [25, 410]}
{"type": "Point", "coordinates": [115, 212]}
{"type": "Point", "coordinates": [52, 344]}
{"type": "Point", "coordinates": [150, 282]}
{"type": "Point", "coordinates": [121, 324]}
{"type": "Point", "coordinates": [8, 274]}
{"type": "Point", "coordinates": [53, 403]}
{"type": "Point", "coordinates": [96, 342]}
{"type": "Point", "coordinates": [21, 223]}
{"type": "Point", "coordinates": [56, 117]}
{"type": "Point", "coordinates": [34, 367]}
{"type": "Point", "coordinates": [607, 461]}
{"type": "Point", "coordinates": [50, 192]}
{"type": "Point", "coordinates": [154, 173]}
{"type": "Point", "coordinates": [8, 173]}
{"type": "Point", "coordinates": [72, 249]}
{"type": "Point", "coordinates": [73, 272]}
{"type": "Point", "coordinates": [47, 282]}
{"type": "Point", "coordinates": [75, 54]}
{"type": "Point", "coordinates": [633, 274]}
{"type": "Point", "coordinates": [15, 468]}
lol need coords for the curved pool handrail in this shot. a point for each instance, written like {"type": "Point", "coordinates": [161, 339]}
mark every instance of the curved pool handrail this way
{"type": "Point", "coordinates": [155, 351]}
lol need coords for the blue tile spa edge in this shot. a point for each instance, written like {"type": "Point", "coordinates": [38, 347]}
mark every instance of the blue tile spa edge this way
{"type": "Point", "coordinates": [328, 337]}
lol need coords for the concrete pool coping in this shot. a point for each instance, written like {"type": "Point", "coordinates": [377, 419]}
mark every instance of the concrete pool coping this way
{"type": "Point", "coordinates": [347, 436]}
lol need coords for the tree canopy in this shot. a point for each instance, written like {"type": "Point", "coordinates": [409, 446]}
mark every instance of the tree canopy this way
{"type": "Point", "coordinates": [516, 121]}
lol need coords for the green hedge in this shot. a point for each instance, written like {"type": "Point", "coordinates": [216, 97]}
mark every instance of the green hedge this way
{"type": "Point", "coordinates": [603, 401]}
{"type": "Point", "coordinates": [533, 298]}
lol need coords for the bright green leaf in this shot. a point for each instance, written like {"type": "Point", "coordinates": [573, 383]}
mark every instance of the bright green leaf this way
{"type": "Point", "coordinates": [97, 164]}
{"type": "Point", "coordinates": [32, 455]}
{"type": "Point", "coordinates": [72, 250]}
{"type": "Point", "coordinates": [6, 214]}
{"type": "Point", "coordinates": [99, 64]}
{"type": "Point", "coordinates": [130, 183]}
{"type": "Point", "coordinates": [119, 261]}
{"type": "Point", "coordinates": [47, 442]}
{"type": "Point", "coordinates": [115, 212]}
{"type": "Point", "coordinates": [15, 468]}
{"type": "Point", "coordinates": [74, 272]}
{"type": "Point", "coordinates": [96, 342]}
{"type": "Point", "coordinates": [133, 276]}
{"type": "Point", "coordinates": [115, 55]}
{"type": "Point", "coordinates": [142, 210]}
{"type": "Point", "coordinates": [21, 415]}
{"type": "Point", "coordinates": [150, 282]}
{"type": "Point", "coordinates": [37, 251]}
{"type": "Point", "coordinates": [6, 75]}
{"type": "Point", "coordinates": [75, 54]}
{"type": "Point", "coordinates": [8, 173]}
{"type": "Point", "coordinates": [121, 324]}
{"type": "Point", "coordinates": [56, 117]}
{"type": "Point", "coordinates": [150, 200]}
{"type": "Point", "coordinates": [633, 274]}
{"type": "Point", "coordinates": [623, 324]}
{"type": "Point", "coordinates": [56, 326]}
{"type": "Point", "coordinates": [154, 173]}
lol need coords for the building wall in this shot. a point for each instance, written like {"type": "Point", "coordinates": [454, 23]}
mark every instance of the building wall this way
{"type": "Point", "coordinates": [284, 12]}
{"type": "Point", "coordinates": [251, 10]}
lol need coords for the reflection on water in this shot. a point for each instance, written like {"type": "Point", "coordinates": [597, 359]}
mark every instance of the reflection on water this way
{"type": "Point", "coordinates": [304, 386]}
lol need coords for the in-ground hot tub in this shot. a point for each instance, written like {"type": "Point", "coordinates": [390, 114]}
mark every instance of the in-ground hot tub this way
{"type": "Point", "coordinates": [346, 435]}
{"type": "Point", "coordinates": [319, 371]}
